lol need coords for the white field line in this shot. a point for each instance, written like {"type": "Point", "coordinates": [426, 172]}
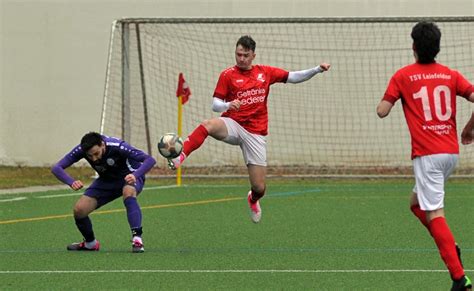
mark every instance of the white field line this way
{"type": "Point", "coordinates": [12, 199]}
{"type": "Point", "coordinates": [32, 189]}
{"type": "Point", "coordinates": [80, 193]}
{"type": "Point", "coordinates": [223, 271]}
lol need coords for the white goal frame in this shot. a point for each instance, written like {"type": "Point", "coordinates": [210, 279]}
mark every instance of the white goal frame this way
{"type": "Point", "coordinates": [131, 93]}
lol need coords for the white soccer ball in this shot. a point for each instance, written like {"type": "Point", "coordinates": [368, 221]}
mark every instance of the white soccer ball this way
{"type": "Point", "coordinates": [170, 145]}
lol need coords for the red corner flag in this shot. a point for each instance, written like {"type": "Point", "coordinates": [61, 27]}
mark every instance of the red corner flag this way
{"type": "Point", "coordinates": [183, 89]}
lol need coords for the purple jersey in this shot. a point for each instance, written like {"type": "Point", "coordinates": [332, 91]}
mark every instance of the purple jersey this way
{"type": "Point", "coordinates": [119, 160]}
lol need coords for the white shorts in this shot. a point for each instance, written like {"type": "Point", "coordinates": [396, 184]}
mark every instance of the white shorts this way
{"type": "Point", "coordinates": [253, 146]}
{"type": "Point", "coordinates": [431, 173]}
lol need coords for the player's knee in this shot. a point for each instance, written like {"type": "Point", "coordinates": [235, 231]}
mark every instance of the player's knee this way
{"type": "Point", "coordinates": [208, 124]}
{"type": "Point", "coordinates": [129, 192]}
{"type": "Point", "coordinates": [213, 125]}
{"type": "Point", "coordinates": [79, 211]}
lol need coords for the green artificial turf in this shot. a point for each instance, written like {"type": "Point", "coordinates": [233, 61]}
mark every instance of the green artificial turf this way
{"type": "Point", "coordinates": [314, 235]}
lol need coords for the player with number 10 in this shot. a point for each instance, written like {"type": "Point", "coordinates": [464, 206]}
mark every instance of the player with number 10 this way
{"type": "Point", "coordinates": [428, 92]}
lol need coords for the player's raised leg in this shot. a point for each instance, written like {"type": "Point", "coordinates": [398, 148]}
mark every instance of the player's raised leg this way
{"type": "Point", "coordinates": [83, 207]}
{"type": "Point", "coordinates": [257, 176]}
{"type": "Point", "coordinates": [214, 127]}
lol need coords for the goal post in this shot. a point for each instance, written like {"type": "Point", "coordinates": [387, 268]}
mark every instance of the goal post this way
{"type": "Point", "coordinates": [325, 126]}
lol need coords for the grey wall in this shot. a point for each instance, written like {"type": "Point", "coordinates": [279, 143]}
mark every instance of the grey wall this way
{"type": "Point", "coordinates": [53, 58]}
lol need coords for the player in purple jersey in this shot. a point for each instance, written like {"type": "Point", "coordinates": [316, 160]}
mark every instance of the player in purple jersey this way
{"type": "Point", "coordinates": [121, 170]}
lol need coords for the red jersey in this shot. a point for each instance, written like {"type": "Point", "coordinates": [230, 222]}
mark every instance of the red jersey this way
{"type": "Point", "coordinates": [251, 87]}
{"type": "Point", "coordinates": [428, 93]}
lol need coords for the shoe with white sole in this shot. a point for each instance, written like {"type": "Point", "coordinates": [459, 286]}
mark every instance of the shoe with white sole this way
{"type": "Point", "coordinates": [82, 247]}
{"type": "Point", "coordinates": [255, 210]}
{"type": "Point", "coordinates": [137, 245]}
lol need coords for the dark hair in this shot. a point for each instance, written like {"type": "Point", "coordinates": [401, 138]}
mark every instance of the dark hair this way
{"type": "Point", "coordinates": [90, 139]}
{"type": "Point", "coordinates": [246, 42]}
{"type": "Point", "coordinates": [426, 41]}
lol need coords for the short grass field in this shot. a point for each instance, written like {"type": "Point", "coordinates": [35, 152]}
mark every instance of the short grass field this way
{"type": "Point", "coordinates": [314, 235]}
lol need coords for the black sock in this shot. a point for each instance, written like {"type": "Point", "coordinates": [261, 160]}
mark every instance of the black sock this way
{"type": "Point", "coordinates": [255, 196]}
{"type": "Point", "coordinates": [85, 227]}
{"type": "Point", "coordinates": [137, 231]}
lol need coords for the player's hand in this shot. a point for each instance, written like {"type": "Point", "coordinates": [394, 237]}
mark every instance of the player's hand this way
{"type": "Point", "coordinates": [130, 179]}
{"type": "Point", "coordinates": [234, 105]}
{"type": "Point", "coordinates": [76, 185]}
{"type": "Point", "coordinates": [325, 66]}
{"type": "Point", "coordinates": [466, 135]}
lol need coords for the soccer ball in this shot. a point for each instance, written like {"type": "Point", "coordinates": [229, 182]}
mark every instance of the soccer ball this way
{"type": "Point", "coordinates": [170, 145]}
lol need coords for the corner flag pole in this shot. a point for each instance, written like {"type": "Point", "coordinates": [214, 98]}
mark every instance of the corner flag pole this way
{"type": "Point", "coordinates": [180, 129]}
{"type": "Point", "coordinates": [183, 92]}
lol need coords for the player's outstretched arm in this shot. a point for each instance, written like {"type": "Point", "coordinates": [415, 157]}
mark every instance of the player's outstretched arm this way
{"type": "Point", "coordinates": [466, 135]}
{"type": "Point", "coordinates": [304, 75]}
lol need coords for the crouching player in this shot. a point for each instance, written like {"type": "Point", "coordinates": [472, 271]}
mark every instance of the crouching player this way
{"type": "Point", "coordinates": [121, 169]}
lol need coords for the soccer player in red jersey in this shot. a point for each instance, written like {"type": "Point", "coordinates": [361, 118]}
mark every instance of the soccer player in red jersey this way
{"type": "Point", "coordinates": [241, 94]}
{"type": "Point", "coordinates": [428, 92]}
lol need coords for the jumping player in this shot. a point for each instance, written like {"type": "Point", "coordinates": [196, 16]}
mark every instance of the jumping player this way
{"type": "Point", "coordinates": [241, 95]}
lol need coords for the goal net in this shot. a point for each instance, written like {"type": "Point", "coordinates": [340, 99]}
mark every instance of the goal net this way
{"type": "Point", "coordinates": [327, 125]}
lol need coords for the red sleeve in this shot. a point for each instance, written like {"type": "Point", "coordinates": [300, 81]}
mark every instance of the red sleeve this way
{"type": "Point", "coordinates": [393, 92]}
{"type": "Point", "coordinates": [463, 87]}
{"type": "Point", "coordinates": [222, 87]}
{"type": "Point", "coordinates": [277, 75]}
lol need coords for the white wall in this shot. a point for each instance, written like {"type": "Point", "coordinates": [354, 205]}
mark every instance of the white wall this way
{"type": "Point", "coordinates": [53, 58]}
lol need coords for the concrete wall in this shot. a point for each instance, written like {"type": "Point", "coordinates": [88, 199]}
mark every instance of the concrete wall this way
{"type": "Point", "coordinates": [53, 57]}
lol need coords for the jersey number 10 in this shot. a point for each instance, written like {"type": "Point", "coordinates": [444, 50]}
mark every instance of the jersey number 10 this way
{"type": "Point", "coordinates": [423, 95]}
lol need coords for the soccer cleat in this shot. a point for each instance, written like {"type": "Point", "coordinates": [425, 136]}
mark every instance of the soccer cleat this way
{"type": "Point", "coordinates": [82, 247]}
{"type": "Point", "coordinates": [462, 284]}
{"type": "Point", "coordinates": [137, 246]}
{"type": "Point", "coordinates": [255, 210]}
{"type": "Point", "coordinates": [175, 163]}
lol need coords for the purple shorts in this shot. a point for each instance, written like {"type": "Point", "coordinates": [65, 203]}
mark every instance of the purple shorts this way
{"type": "Point", "coordinates": [106, 191]}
